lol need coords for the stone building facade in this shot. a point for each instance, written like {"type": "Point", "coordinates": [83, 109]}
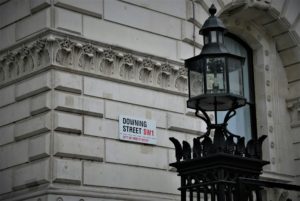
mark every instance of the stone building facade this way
{"type": "Point", "coordinates": [70, 68]}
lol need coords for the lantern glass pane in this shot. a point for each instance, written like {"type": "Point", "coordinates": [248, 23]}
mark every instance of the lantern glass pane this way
{"type": "Point", "coordinates": [206, 39]}
{"type": "Point", "coordinates": [196, 83]}
{"type": "Point", "coordinates": [220, 36]}
{"type": "Point", "coordinates": [215, 75]}
{"type": "Point", "coordinates": [213, 36]}
{"type": "Point", "coordinates": [235, 75]}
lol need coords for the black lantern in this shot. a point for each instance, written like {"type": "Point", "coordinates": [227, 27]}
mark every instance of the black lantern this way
{"type": "Point", "coordinates": [215, 76]}
{"type": "Point", "coordinates": [219, 165]}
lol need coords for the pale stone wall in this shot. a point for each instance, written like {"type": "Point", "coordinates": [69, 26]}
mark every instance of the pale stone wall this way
{"type": "Point", "coordinates": [68, 69]}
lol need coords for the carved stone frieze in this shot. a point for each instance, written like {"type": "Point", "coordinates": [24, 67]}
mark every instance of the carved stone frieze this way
{"type": "Point", "coordinates": [41, 52]}
{"type": "Point", "coordinates": [25, 60]}
{"type": "Point", "coordinates": [181, 80]}
{"type": "Point", "coordinates": [126, 66]}
{"type": "Point", "coordinates": [65, 54]}
{"type": "Point", "coordinates": [164, 77]}
{"type": "Point", "coordinates": [87, 58]}
{"type": "Point", "coordinates": [11, 67]}
{"type": "Point", "coordinates": [105, 61]}
{"type": "Point", "coordinates": [146, 71]}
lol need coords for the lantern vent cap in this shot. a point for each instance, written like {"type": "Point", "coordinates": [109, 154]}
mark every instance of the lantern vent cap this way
{"type": "Point", "coordinates": [213, 22]}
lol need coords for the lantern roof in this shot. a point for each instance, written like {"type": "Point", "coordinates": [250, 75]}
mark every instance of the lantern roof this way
{"type": "Point", "coordinates": [213, 22]}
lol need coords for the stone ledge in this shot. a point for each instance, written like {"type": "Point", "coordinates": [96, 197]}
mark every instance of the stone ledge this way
{"type": "Point", "coordinates": [69, 192]}
{"type": "Point", "coordinates": [32, 126]}
{"type": "Point", "coordinates": [80, 147]}
{"type": "Point", "coordinates": [7, 134]}
{"type": "Point", "coordinates": [6, 181]}
{"type": "Point", "coordinates": [67, 122]}
{"type": "Point", "coordinates": [121, 176]}
{"type": "Point", "coordinates": [32, 174]}
{"type": "Point", "coordinates": [14, 154]}
{"type": "Point", "coordinates": [39, 147]}
{"type": "Point", "coordinates": [136, 154]}
{"type": "Point", "coordinates": [67, 171]}
{"type": "Point", "coordinates": [33, 86]}
{"type": "Point", "coordinates": [76, 54]}
{"type": "Point", "coordinates": [91, 7]}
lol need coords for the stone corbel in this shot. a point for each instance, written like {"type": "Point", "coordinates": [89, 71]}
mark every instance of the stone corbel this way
{"type": "Point", "coordinates": [181, 80]}
{"type": "Point", "coordinates": [10, 65]}
{"type": "Point", "coordinates": [9, 58]}
{"type": "Point", "coordinates": [66, 45]}
{"type": "Point", "coordinates": [40, 44]}
{"type": "Point", "coordinates": [2, 73]}
{"type": "Point", "coordinates": [126, 66]}
{"type": "Point", "coordinates": [182, 73]}
{"type": "Point", "coordinates": [88, 50]}
{"type": "Point", "coordinates": [107, 61]}
{"type": "Point", "coordinates": [145, 70]}
{"type": "Point", "coordinates": [24, 52]}
{"type": "Point", "coordinates": [164, 76]}
{"type": "Point", "coordinates": [64, 54]}
{"type": "Point", "coordinates": [86, 55]}
{"type": "Point", "coordinates": [41, 51]}
{"type": "Point", "coordinates": [128, 61]}
{"type": "Point", "coordinates": [147, 64]}
{"type": "Point", "coordinates": [109, 55]}
{"type": "Point", "coordinates": [166, 69]}
{"type": "Point", "coordinates": [25, 59]}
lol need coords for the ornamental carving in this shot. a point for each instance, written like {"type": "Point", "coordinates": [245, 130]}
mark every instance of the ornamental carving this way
{"type": "Point", "coordinates": [41, 53]}
{"type": "Point", "coordinates": [107, 63]}
{"type": "Point", "coordinates": [128, 60]}
{"type": "Point", "coordinates": [126, 67]}
{"type": "Point", "coordinates": [164, 79]}
{"type": "Point", "coordinates": [25, 60]}
{"type": "Point", "coordinates": [181, 80]}
{"type": "Point", "coordinates": [148, 64]}
{"type": "Point", "coordinates": [205, 146]}
{"type": "Point", "coordinates": [95, 59]}
{"type": "Point", "coordinates": [146, 71]}
{"type": "Point", "coordinates": [182, 72]}
{"type": "Point", "coordinates": [109, 55]}
{"type": "Point", "coordinates": [64, 56]}
{"type": "Point", "coordinates": [11, 65]}
{"type": "Point", "coordinates": [2, 74]}
{"type": "Point", "coordinates": [87, 57]}
{"type": "Point", "coordinates": [166, 69]}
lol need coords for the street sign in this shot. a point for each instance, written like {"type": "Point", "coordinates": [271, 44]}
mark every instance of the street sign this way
{"type": "Point", "coordinates": [136, 129]}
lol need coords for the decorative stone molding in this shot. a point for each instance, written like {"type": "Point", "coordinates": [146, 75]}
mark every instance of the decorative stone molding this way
{"type": "Point", "coordinates": [294, 109]}
{"type": "Point", "coordinates": [261, 4]}
{"type": "Point", "coordinates": [99, 60]}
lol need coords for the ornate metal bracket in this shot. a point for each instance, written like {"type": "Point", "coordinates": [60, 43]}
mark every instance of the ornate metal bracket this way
{"type": "Point", "coordinates": [223, 141]}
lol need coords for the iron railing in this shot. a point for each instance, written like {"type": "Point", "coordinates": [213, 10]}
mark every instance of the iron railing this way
{"type": "Point", "coordinates": [251, 189]}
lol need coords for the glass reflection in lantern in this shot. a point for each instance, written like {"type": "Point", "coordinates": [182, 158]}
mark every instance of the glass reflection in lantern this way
{"type": "Point", "coordinates": [215, 75]}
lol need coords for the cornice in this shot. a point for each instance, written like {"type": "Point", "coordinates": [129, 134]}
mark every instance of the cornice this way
{"type": "Point", "coordinates": [79, 55]}
{"type": "Point", "coordinates": [61, 192]}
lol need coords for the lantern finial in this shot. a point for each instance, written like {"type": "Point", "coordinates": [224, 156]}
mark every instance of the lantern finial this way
{"type": "Point", "coordinates": [212, 10]}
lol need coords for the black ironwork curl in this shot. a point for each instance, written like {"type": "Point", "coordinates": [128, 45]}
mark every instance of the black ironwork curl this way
{"type": "Point", "coordinates": [223, 141]}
